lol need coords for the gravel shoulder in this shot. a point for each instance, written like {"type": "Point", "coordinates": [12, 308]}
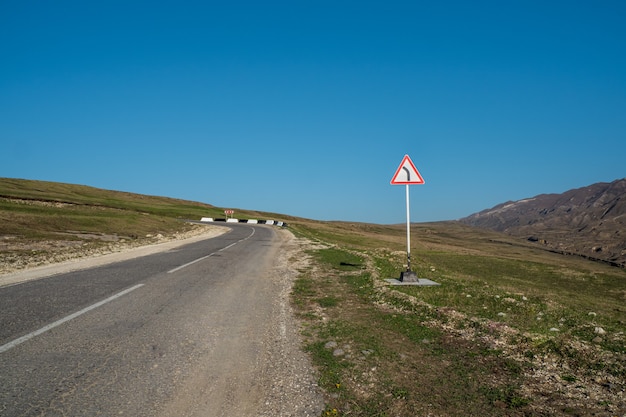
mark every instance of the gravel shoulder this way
{"type": "Point", "coordinates": [260, 370]}
{"type": "Point", "coordinates": [293, 380]}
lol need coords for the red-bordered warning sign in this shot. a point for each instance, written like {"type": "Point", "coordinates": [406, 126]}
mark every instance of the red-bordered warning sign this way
{"type": "Point", "coordinates": [407, 173]}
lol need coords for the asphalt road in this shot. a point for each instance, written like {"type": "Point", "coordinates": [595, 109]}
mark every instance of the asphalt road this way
{"type": "Point", "coordinates": [184, 332]}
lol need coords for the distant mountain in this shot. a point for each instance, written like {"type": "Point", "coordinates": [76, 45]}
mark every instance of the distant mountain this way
{"type": "Point", "coordinates": [588, 221]}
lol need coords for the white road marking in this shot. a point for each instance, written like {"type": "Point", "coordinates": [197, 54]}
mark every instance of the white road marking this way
{"type": "Point", "coordinates": [178, 268]}
{"type": "Point", "coordinates": [50, 326]}
{"type": "Point", "coordinates": [190, 263]}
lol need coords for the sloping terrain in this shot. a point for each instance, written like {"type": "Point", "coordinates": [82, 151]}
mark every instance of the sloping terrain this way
{"type": "Point", "coordinates": [43, 222]}
{"type": "Point", "coordinates": [588, 221]}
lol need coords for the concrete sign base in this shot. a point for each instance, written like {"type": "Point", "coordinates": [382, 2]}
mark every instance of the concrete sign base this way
{"type": "Point", "coordinates": [422, 282]}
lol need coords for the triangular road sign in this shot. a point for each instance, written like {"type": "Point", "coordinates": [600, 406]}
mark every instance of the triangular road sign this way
{"type": "Point", "coordinates": [407, 173]}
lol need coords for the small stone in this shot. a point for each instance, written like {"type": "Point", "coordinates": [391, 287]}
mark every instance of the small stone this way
{"type": "Point", "coordinates": [502, 314]}
{"type": "Point", "coordinates": [330, 345]}
{"type": "Point", "coordinates": [338, 352]}
{"type": "Point", "coordinates": [554, 329]}
{"type": "Point", "coordinates": [597, 339]}
{"type": "Point", "coordinates": [599, 330]}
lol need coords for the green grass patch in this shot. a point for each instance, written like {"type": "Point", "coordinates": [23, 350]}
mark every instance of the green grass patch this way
{"type": "Point", "coordinates": [339, 259]}
{"type": "Point", "coordinates": [328, 301]}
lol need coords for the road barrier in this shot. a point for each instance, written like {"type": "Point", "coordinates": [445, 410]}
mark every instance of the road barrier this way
{"type": "Point", "coordinates": [251, 221]}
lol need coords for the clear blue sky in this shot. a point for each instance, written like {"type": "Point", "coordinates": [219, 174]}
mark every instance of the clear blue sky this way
{"type": "Point", "coordinates": [308, 107]}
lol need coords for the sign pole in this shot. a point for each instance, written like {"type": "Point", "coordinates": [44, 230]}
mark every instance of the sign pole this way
{"type": "Point", "coordinates": [407, 174]}
{"type": "Point", "coordinates": [408, 230]}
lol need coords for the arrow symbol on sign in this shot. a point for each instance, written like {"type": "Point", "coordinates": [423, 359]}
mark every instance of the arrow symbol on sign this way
{"type": "Point", "coordinates": [408, 173]}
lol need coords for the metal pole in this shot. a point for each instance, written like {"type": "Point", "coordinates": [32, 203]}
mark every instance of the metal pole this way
{"type": "Point", "coordinates": [408, 230]}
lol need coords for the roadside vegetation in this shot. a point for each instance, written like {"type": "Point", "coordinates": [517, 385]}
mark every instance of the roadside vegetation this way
{"type": "Point", "coordinates": [512, 329]}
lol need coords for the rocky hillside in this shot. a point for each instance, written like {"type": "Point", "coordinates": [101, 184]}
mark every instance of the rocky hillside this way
{"type": "Point", "coordinates": [588, 221]}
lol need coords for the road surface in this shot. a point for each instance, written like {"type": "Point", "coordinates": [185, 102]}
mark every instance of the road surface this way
{"type": "Point", "coordinates": [201, 330]}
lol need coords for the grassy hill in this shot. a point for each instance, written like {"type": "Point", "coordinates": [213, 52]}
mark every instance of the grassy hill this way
{"type": "Point", "coordinates": [89, 208]}
{"type": "Point", "coordinates": [46, 221]}
{"type": "Point", "coordinates": [512, 329]}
